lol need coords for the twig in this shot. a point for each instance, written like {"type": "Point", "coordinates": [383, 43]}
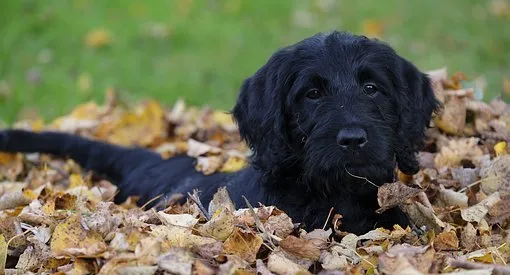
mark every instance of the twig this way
{"type": "Point", "coordinates": [194, 197]}
{"type": "Point", "coordinates": [475, 183]}
{"type": "Point", "coordinates": [258, 222]}
{"type": "Point", "coordinates": [327, 219]}
{"type": "Point", "coordinates": [151, 200]}
{"type": "Point", "coordinates": [498, 269]}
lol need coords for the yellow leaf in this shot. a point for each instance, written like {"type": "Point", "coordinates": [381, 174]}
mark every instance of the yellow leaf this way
{"type": "Point", "coordinates": [220, 226]}
{"type": "Point", "coordinates": [143, 126]}
{"type": "Point", "coordinates": [98, 38]}
{"type": "Point", "coordinates": [243, 244]}
{"type": "Point", "coordinates": [3, 253]}
{"type": "Point", "coordinates": [11, 165]}
{"type": "Point", "coordinates": [372, 28]}
{"type": "Point", "coordinates": [70, 238]}
{"type": "Point", "coordinates": [83, 116]}
{"type": "Point", "coordinates": [76, 180]}
{"type": "Point", "coordinates": [233, 164]}
{"type": "Point", "coordinates": [500, 148]}
{"type": "Point", "coordinates": [6, 158]}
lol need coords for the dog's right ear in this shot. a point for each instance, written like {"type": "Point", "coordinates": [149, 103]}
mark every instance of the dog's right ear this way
{"type": "Point", "coordinates": [260, 110]}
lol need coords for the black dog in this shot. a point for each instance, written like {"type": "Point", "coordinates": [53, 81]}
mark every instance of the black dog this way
{"type": "Point", "coordinates": [326, 118]}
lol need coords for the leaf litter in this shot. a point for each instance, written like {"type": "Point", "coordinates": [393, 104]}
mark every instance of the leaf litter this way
{"type": "Point", "coordinates": [55, 218]}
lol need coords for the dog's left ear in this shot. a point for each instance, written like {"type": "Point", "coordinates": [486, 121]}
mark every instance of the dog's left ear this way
{"type": "Point", "coordinates": [260, 111]}
{"type": "Point", "coordinates": [416, 105]}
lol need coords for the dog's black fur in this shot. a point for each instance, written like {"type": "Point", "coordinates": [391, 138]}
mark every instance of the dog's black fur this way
{"type": "Point", "coordinates": [325, 118]}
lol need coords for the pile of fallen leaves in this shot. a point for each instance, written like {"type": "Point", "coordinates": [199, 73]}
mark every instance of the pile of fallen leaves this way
{"type": "Point", "coordinates": [55, 217]}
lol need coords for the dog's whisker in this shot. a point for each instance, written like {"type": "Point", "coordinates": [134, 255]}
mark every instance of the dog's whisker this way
{"type": "Point", "coordinates": [360, 177]}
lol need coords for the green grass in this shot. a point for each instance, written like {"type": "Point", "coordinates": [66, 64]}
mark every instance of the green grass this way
{"type": "Point", "coordinates": [213, 45]}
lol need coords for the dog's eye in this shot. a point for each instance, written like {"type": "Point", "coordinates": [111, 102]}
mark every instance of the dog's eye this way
{"type": "Point", "coordinates": [370, 89]}
{"type": "Point", "coordinates": [313, 94]}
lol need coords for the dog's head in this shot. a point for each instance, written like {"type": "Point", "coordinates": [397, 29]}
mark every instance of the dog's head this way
{"type": "Point", "coordinates": [336, 106]}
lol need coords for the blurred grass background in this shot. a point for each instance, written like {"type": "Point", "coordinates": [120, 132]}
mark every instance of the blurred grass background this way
{"type": "Point", "coordinates": [59, 53]}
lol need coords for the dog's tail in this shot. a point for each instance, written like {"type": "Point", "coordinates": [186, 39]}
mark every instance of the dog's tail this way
{"type": "Point", "coordinates": [110, 160]}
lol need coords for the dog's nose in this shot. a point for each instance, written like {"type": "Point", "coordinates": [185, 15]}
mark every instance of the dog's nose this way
{"type": "Point", "coordinates": [352, 138]}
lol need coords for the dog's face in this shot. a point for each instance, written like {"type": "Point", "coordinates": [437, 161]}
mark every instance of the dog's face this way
{"type": "Point", "coordinates": [339, 107]}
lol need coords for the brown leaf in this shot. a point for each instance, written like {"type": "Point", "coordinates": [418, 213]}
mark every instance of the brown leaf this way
{"type": "Point", "coordinates": [208, 251]}
{"type": "Point", "coordinates": [392, 194]}
{"type": "Point", "coordinates": [468, 237]}
{"type": "Point", "coordinates": [11, 165]}
{"type": "Point", "coordinates": [243, 244]}
{"type": "Point", "coordinates": [221, 200]}
{"type": "Point", "coordinates": [453, 117]}
{"type": "Point", "coordinates": [176, 261]}
{"type": "Point", "coordinates": [446, 241]}
{"type": "Point", "coordinates": [300, 248]}
{"type": "Point", "coordinates": [279, 225]}
{"type": "Point", "coordinates": [200, 268]}
{"type": "Point", "coordinates": [418, 258]}
{"type": "Point", "coordinates": [423, 216]}
{"type": "Point", "coordinates": [319, 237]}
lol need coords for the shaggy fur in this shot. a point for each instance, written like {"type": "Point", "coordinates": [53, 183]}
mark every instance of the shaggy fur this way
{"type": "Point", "coordinates": [326, 119]}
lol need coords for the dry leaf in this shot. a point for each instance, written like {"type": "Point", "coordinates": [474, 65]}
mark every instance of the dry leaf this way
{"type": "Point", "coordinates": [209, 165]}
{"type": "Point", "coordinates": [280, 264]}
{"type": "Point", "coordinates": [280, 225]}
{"type": "Point", "coordinates": [423, 216]}
{"type": "Point", "coordinates": [453, 117]}
{"type": "Point", "coordinates": [243, 244]}
{"type": "Point", "coordinates": [15, 199]}
{"type": "Point", "coordinates": [300, 248]}
{"type": "Point", "coordinates": [416, 258]}
{"type": "Point", "coordinates": [468, 236]}
{"type": "Point", "coordinates": [496, 177]}
{"type": "Point", "coordinates": [70, 238]}
{"type": "Point", "coordinates": [456, 150]}
{"type": "Point", "coordinates": [221, 200]}
{"type": "Point", "coordinates": [451, 198]}
{"type": "Point", "coordinates": [220, 226]}
{"type": "Point", "coordinates": [11, 165]}
{"type": "Point", "coordinates": [319, 237]}
{"type": "Point", "coordinates": [176, 261]}
{"type": "Point", "coordinates": [393, 194]}
{"type": "Point", "coordinates": [197, 149]}
{"type": "Point", "coordinates": [446, 241]}
{"type": "Point", "coordinates": [477, 212]}
{"type": "Point", "coordinates": [3, 253]}
{"type": "Point", "coordinates": [332, 260]}
{"type": "Point", "coordinates": [183, 220]}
